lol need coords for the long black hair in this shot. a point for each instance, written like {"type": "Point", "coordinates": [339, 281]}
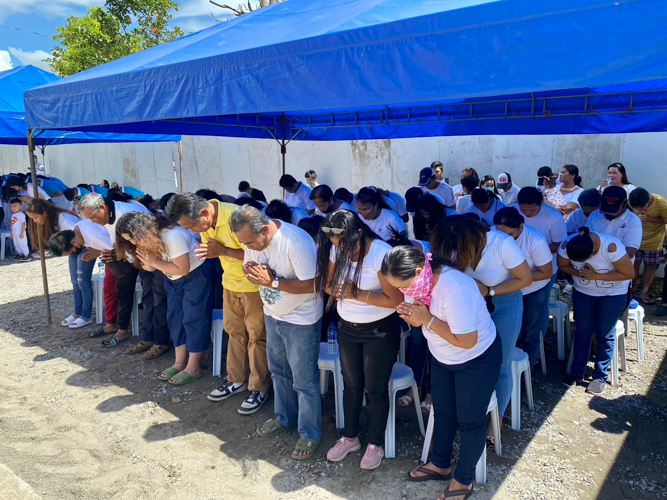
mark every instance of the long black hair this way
{"type": "Point", "coordinates": [402, 262]}
{"type": "Point", "coordinates": [372, 196]}
{"type": "Point", "coordinates": [574, 171]}
{"type": "Point", "coordinates": [581, 247]}
{"type": "Point", "coordinates": [436, 211]}
{"type": "Point", "coordinates": [356, 235]}
{"type": "Point", "coordinates": [621, 168]}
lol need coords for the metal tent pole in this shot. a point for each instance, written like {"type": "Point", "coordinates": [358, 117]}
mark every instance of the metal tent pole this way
{"type": "Point", "coordinates": [180, 164]}
{"type": "Point", "coordinates": [42, 257]}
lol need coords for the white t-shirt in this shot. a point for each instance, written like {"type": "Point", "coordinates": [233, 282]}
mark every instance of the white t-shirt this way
{"type": "Point", "coordinates": [300, 199]}
{"type": "Point", "coordinates": [457, 189]}
{"type": "Point", "coordinates": [488, 216]}
{"type": "Point", "coordinates": [391, 204]}
{"type": "Point", "coordinates": [342, 206]}
{"type": "Point", "coordinates": [444, 191]}
{"type": "Point", "coordinates": [384, 222]}
{"type": "Point", "coordinates": [501, 253]}
{"type": "Point", "coordinates": [456, 301]}
{"type": "Point", "coordinates": [18, 219]}
{"type": "Point", "coordinates": [627, 228]}
{"type": "Point", "coordinates": [510, 196]}
{"type": "Point", "coordinates": [94, 235]}
{"type": "Point", "coordinates": [550, 223]}
{"type": "Point", "coordinates": [463, 204]}
{"type": "Point", "coordinates": [601, 262]}
{"type": "Point", "coordinates": [355, 311]}
{"type": "Point", "coordinates": [573, 197]}
{"type": "Point", "coordinates": [29, 191]}
{"type": "Point", "coordinates": [541, 188]}
{"type": "Point", "coordinates": [67, 221]}
{"type": "Point", "coordinates": [629, 188]}
{"type": "Point", "coordinates": [291, 254]}
{"type": "Point", "coordinates": [576, 220]}
{"type": "Point", "coordinates": [399, 201]}
{"type": "Point", "coordinates": [537, 252]}
{"type": "Point", "coordinates": [179, 241]}
{"type": "Point", "coordinates": [298, 214]}
{"type": "Point", "coordinates": [424, 246]}
{"type": "Point", "coordinates": [121, 208]}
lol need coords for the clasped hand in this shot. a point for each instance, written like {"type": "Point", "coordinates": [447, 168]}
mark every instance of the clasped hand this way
{"type": "Point", "coordinates": [258, 274]}
{"type": "Point", "coordinates": [416, 314]}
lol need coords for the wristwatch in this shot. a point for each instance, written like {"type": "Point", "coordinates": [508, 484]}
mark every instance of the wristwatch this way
{"type": "Point", "coordinates": [492, 291]}
{"type": "Point", "coordinates": [275, 283]}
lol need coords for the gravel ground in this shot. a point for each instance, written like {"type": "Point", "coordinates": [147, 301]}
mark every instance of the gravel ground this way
{"type": "Point", "coordinates": [77, 421]}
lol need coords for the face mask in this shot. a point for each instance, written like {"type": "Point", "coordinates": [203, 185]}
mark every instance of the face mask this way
{"type": "Point", "coordinates": [489, 188]}
{"type": "Point", "coordinates": [422, 286]}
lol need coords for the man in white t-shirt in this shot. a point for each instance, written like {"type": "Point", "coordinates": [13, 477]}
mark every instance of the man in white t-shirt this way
{"type": "Point", "coordinates": [509, 191]}
{"type": "Point", "coordinates": [281, 259]}
{"type": "Point", "coordinates": [399, 201]}
{"type": "Point", "coordinates": [297, 194]}
{"type": "Point", "coordinates": [430, 184]}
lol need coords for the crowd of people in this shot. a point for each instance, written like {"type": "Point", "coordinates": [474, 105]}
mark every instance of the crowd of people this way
{"type": "Point", "coordinates": [469, 269]}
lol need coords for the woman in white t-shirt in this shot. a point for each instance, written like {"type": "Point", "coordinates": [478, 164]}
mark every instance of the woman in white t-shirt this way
{"type": "Point", "coordinates": [570, 189]}
{"type": "Point", "coordinates": [24, 189]}
{"type": "Point", "coordinates": [369, 333]}
{"type": "Point", "coordinates": [485, 204]}
{"type": "Point", "coordinates": [499, 267]}
{"type": "Point", "coordinates": [602, 272]}
{"type": "Point", "coordinates": [617, 176]}
{"type": "Point", "coordinates": [466, 357]}
{"type": "Point", "coordinates": [323, 198]}
{"type": "Point", "coordinates": [375, 213]}
{"type": "Point", "coordinates": [158, 245]}
{"type": "Point", "coordinates": [536, 296]}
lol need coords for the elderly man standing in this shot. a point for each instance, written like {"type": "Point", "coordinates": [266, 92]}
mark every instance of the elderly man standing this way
{"type": "Point", "coordinates": [244, 316]}
{"type": "Point", "coordinates": [281, 259]}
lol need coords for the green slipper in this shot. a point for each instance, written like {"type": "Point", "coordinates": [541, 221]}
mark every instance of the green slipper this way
{"type": "Point", "coordinates": [271, 428]}
{"type": "Point", "coordinates": [167, 374]}
{"type": "Point", "coordinates": [114, 341]}
{"type": "Point", "coordinates": [304, 444]}
{"type": "Point", "coordinates": [183, 378]}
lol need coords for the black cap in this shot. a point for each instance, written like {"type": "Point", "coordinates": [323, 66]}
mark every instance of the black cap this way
{"type": "Point", "coordinates": [426, 175]}
{"type": "Point", "coordinates": [613, 200]}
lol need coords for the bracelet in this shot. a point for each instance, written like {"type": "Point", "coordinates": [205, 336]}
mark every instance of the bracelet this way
{"type": "Point", "coordinates": [430, 323]}
{"type": "Point", "coordinates": [367, 297]}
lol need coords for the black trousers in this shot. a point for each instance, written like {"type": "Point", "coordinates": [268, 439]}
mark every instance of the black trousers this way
{"type": "Point", "coordinates": [367, 355]}
{"type": "Point", "coordinates": [154, 299]}
{"type": "Point", "coordinates": [126, 279]}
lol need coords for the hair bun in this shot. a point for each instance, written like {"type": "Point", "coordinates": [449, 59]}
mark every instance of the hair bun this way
{"type": "Point", "coordinates": [584, 231]}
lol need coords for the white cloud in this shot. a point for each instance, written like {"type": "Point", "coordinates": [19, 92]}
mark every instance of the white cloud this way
{"type": "Point", "coordinates": [55, 8]}
{"type": "Point", "coordinates": [5, 61]}
{"type": "Point", "coordinates": [35, 58]}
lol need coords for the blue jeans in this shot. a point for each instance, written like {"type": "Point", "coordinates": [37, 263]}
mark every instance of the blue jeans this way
{"type": "Point", "coordinates": [461, 395]}
{"type": "Point", "coordinates": [507, 318]}
{"type": "Point", "coordinates": [595, 316]}
{"type": "Point", "coordinates": [417, 352]}
{"type": "Point", "coordinates": [545, 324]}
{"type": "Point", "coordinates": [80, 273]}
{"type": "Point", "coordinates": [535, 310]}
{"type": "Point", "coordinates": [293, 351]}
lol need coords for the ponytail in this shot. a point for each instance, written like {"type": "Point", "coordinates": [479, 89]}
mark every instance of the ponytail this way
{"type": "Point", "coordinates": [580, 247]}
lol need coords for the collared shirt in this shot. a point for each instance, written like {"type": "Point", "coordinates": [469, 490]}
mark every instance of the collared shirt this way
{"type": "Point", "coordinates": [627, 227]}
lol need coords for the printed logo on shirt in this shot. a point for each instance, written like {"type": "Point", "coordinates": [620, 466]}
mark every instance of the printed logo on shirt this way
{"type": "Point", "coordinates": [269, 295]}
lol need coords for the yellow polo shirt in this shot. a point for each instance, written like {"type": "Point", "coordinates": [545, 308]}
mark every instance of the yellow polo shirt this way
{"type": "Point", "coordinates": [233, 278]}
{"type": "Point", "coordinates": [653, 234]}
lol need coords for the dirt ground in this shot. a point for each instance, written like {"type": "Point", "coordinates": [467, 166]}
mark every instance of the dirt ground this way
{"type": "Point", "coordinates": [81, 422]}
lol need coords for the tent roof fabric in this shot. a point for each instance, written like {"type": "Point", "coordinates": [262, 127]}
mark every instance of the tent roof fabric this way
{"type": "Point", "coordinates": [13, 130]}
{"type": "Point", "coordinates": [357, 69]}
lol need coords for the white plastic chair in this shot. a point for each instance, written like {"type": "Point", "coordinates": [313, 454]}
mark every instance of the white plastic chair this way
{"type": "Point", "coordinates": [543, 358]}
{"type": "Point", "coordinates": [560, 312]}
{"type": "Point", "coordinates": [135, 309]}
{"type": "Point", "coordinates": [405, 333]}
{"type": "Point", "coordinates": [331, 363]}
{"type": "Point", "coordinates": [619, 345]}
{"type": "Point", "coordinates": [520, 364]}
{"type": "Point", "coordinates": [3, 236]}
{"type": "Point", "coordinates": [216, 336]}
{"type": "Point", "coordinates": [98, 289]}
{"type": "Point", "coordinates": [401, 378]}
{"type": "Point", "coordinates": [480, 470]}
{"type": "Point", "coordinates": [637, 315]}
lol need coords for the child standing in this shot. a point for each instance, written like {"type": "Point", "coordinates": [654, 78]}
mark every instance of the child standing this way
{"type": "Point", "coordinates": [18, 230]}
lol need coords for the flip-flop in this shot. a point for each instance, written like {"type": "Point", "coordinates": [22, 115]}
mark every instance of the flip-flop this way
{"type": "Point", "coordinates": [429, 475]}
{"type": "Point", "coordinates": [404, 401]}
{"type": "Point", "coordinates": [100, 333]}
{"type": "Point", "coordinates": [272, 428]}
{"type": "Point", "coordinates": [457, 493]}
{"type": "Point", "coordinates": [649, 301]}
{"type": "Point", "coordinates": [114, 341]}
{"type": "Point", "coordinates": [168, 373]}
{"type": "Point", "coordinates": [184, 377]}
{"type": "Point", "coordinates": [68, 320]}
{"type": "Point", "coordinates": [304, 444]}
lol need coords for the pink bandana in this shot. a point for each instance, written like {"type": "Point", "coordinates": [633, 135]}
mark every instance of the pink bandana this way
{"type": "Point", "coordinates": [422, 287]}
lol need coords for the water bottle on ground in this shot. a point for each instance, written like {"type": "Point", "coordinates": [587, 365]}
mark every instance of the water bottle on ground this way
{"type": "Point", "coordinates": [332, 339]}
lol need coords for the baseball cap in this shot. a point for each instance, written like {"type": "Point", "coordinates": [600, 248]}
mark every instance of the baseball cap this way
{"type": "Point", "coordinates": [612, 200]}
{"type": "Point", "coordinates": [426, 175]}
{"type": "Point", "coordinates": [503, 180]}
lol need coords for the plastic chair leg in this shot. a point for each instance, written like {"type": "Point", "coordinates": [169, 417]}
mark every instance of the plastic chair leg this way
{"type": "Point", "coordinates": [614, 364]}
{"type": "Point", "coordinates": [621, 347]}
{"type": "Point", "coordinates": [516, 401]}
{"type": "Point", "coordinates": [480, 469]}
{"type": "Point", "coordinates": [2, 247]}
{"type": "Point", "coordinates": [559, 323]}
{"type": "Point", "coordinates": [390, 433]}
{"type": "Point", "coordinates": [543, 358]}
{"type": "Point", "coordinates": [324, 381]}
{"type": "Point", "coordinates": [99, 302]}
{"type": "Point", "coordinates": [495, 423]}
{"type": "Point", "coordinates": [429, 436]}
{"type": "Point", "coordinates": [529, 388]}
{"type": "Point", "coordinates": [420, 419]}
{"type": "Point", "coordinates": [640, 337]}
{"type": "Point", "coordinates": [338, 392]}
{"type": "Point", "coordinates": [135, 314]}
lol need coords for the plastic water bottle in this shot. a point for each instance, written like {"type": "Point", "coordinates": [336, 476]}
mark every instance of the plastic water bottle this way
{"type": "Point", "coordinates": [332, 339]}
{"type": "Point", "coordinates": [100, 267]}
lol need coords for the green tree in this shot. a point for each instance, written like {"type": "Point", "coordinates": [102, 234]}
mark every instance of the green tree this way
{"type": "Point", "coordinates": [120, 28]}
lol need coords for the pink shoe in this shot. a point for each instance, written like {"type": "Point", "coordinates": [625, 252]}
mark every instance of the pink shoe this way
{"type": "Point", "coordinates": [373, 457]}
{"type": "Point", "coordinates": [342, 448]}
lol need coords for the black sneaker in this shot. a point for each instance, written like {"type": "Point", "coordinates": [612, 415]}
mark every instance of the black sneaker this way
{"type": "Point", "coordinates": [253, 402]}
{"type": "Point", "coordinates": [572, 380]}
{"type": "Point", "coordinates": [225, 390]}
{"type": "Point", "coordinates": [596, 387]}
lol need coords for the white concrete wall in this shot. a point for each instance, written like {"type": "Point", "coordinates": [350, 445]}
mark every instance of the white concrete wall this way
{"type": "Point", "coordinates": [221, 163]}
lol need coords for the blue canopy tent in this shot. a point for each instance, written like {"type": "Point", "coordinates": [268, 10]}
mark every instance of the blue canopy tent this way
{"type": "Point", "coordinates": [13, 130]}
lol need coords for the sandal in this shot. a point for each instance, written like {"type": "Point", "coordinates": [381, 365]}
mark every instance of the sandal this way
{"type": "Point", "coordinates": [80, 323]}
{"type": "Point", "coordinates": [457, 493]}
{"type": "Point", "coordinates": [168, 373]}
{"type": "Point", "coordinates": [184, 377]}
{"type": "Point", "coordinates": [114, 341]}
{"type": "Point", "coordinates": [100, 333]}
{"type": "Point", "coordinates": [156, 351]}
{"type": "Point", "coordinates": [304, 444]}
{"type": "Point", "coordinates": [649, 301]}
{"type": "Point", "coordinates": [426, 408]}
{"type": "Point", "coordinates": [429, 475]}
{"type": "Point", "coordinates": [68, 320]}
{"type": "Point", "coordinates": [271, 428]}
{"type": "Point", "coordinates": [140, 347]}
{"type": "Point", "coordinates": [404, 401]}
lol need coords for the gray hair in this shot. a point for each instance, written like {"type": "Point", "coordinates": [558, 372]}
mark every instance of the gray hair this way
{"type": "Point", "coordinates": [93, 201]}
{"type": "Point", "coordinates": [248, 216]}
{"type": "Point", "coordinates": [187, 205]}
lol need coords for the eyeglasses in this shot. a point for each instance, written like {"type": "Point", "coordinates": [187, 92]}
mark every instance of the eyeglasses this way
{"type": "Point", "coordinates": [332, 230]}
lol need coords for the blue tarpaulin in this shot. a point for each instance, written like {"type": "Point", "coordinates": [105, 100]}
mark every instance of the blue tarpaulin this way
{"type": "Point", "coordinates": [367, 69]}
{"type": "Point", "coordinates": [13, 129]}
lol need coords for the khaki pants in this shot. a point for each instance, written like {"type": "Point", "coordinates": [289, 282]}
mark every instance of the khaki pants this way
{"type": "Point", "coordinates": [244, 323]}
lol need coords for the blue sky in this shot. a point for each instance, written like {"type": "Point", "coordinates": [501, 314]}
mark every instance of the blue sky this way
{"type": "Point", "coordinates": [18, 48]}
